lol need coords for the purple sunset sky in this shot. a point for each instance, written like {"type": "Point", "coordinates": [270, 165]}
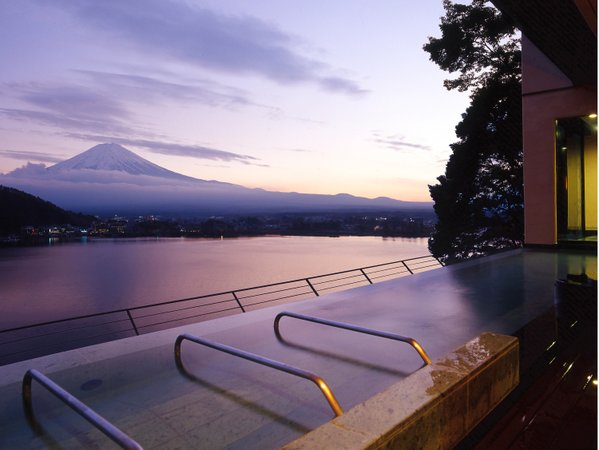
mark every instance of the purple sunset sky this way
{"type": "Point", "coordinates": [306, 96]}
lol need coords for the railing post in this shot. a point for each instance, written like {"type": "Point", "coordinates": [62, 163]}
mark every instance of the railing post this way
{"type": "Point", "coordinates": [406, 266]}
{"type": "Point", "coordinates": [238, 302]}
{"type": "Point", "coordinates": [366, 276]}
{"type": "Point", "coordinates": [312, 287]}
{"type": "Point", "coordinates": [132, 322]}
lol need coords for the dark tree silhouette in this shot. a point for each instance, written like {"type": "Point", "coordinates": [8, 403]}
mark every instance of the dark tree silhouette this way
{"type": "Point", "coordinates": [479, 199]}
{"type": "Point", "coordinates": [18, 209]}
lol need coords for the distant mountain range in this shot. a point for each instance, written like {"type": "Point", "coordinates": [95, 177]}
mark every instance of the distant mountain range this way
{"type": "Point", "coordinates": [109, 179]}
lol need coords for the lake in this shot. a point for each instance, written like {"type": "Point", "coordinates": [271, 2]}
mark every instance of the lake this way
{"type": "Point", "coordinates": [56, 281]}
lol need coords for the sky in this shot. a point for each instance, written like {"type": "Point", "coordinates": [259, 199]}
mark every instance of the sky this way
{"type": "Point", "coordinates": [306, 96]}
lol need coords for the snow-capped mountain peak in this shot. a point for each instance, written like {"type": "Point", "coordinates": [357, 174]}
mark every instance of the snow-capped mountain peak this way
{"type": "Point", "coordinates": [114, 157]}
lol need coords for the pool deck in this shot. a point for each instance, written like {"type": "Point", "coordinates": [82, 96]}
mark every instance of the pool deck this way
{"type": "Point", "coordinates": [219, 401]}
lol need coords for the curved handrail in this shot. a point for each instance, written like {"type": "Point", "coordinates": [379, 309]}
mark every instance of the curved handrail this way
{"type": "Point", "coordinates": [347, 326]}
{"type": "Point", "coordinates": [79, 407]}
{"type": "Point", "coordinates": [318, 381]}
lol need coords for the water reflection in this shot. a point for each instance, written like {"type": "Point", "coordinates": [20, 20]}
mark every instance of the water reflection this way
{"type": "Point", "coordinates": [48, 283]}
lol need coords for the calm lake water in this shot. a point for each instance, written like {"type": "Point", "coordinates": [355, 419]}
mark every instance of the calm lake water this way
{"type": "Point", "coordinates": [47, 283]}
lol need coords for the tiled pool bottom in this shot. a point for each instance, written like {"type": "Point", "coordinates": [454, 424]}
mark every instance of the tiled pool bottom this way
{"type": "Point", "coordinates": [225, 402]}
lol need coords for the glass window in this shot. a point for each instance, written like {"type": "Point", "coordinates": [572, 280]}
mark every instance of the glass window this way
{"type": "Point", "coordinates": [576, 178]}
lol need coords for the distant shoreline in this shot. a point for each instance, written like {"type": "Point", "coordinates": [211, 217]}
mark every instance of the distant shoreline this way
{"type": "Point", "coordinates": [16, 241]}
{"type": "Point", "coordinates": [332, 224]}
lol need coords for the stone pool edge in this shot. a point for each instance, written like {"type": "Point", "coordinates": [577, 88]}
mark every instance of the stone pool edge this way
{"type": "Point", "coordinates": [435, 407]}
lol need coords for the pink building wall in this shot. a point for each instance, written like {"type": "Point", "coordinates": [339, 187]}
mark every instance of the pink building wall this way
{"type": "Point", "coordinates": [547, 95]}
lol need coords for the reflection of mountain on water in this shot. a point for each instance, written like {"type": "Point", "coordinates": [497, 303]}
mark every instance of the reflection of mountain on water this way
{"type": "Point", "coordinates": [108, 178]}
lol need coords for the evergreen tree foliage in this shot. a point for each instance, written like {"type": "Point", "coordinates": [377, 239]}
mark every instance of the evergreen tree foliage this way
{"type": "Point", "coordinates": [479, 199]}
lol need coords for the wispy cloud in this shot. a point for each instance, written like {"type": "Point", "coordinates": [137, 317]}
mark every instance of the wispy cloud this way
{"type": "Point", "coordinates": [64, 121]}
{"type": "Point", "coordinates": [96, 103]}
{"type": "Point", "coordinates": [174, 149]}
{"type": "Point", "coordinates": [86, 113]}
{"type": "Point", "coordinates": [343, 85]}
{"type": "Point", "coordinates": [72, 100]}
{"type": "Point", "coordinates": [147, 89]}
{"type": "Point", "coordinates": [182, 32]}
{"type": "Point", "coordinates": [399, 143]}
{"type": "Point", "coordinates": [71, 107]}
{"type": "Point", "coordinates": [298, 150]}
{"type": "Point", "coordinates": [30, 156]}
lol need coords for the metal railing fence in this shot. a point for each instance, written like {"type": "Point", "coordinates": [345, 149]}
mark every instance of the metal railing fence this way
{"type": "Point", "coordinates": [25, 342]}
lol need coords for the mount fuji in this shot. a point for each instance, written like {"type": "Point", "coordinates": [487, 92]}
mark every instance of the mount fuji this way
{"type": "Point", "coordinates": [109, 179]}
{"type": "Point", "coordinates": [114, 157]}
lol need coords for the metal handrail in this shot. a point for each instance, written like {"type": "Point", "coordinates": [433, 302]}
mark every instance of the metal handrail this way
{"type": "Point", "coordinates": [347, 326]}
{"type": "Point", "coordinates": [318, 381]}
{"type": "Point", "coordinates": [79, 407]}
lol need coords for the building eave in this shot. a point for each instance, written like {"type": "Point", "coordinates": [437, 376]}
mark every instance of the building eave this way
{"type": "Point", "coordinates": [564, 30]}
